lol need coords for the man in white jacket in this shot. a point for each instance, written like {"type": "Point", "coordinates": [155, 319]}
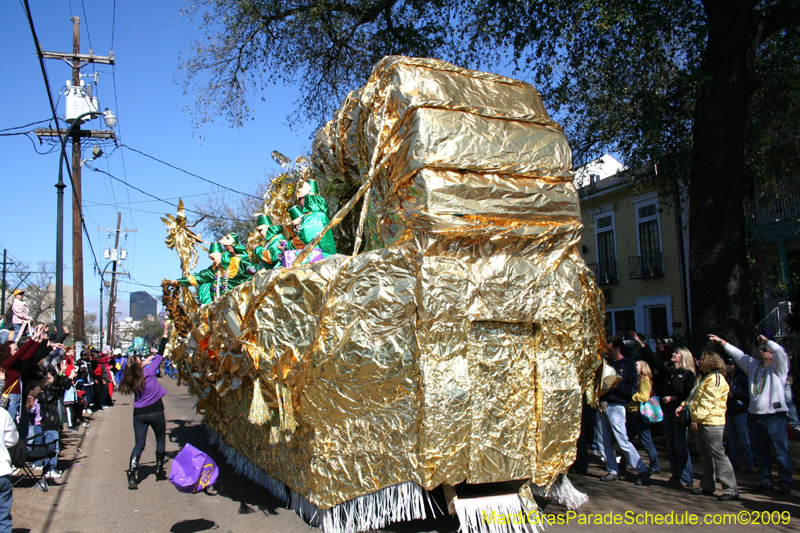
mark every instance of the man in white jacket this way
{"type": "Point", "coordinates": [10, 437]}
{"type": "Point", "coordinates": [767, 412]}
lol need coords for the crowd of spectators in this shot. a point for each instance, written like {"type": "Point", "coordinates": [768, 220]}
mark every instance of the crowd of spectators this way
{"type": "Point", "coordinates": [736, 407]}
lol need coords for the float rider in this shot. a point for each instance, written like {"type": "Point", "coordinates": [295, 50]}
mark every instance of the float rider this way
{"type": "Point", "coordinates": [231, 244]}
{"type": "Point", "coordinates": [226, 272]}
{"type": "Point", "coordinates": [310, 218]}
{"type": "Point", "coordinates": [269, 252]}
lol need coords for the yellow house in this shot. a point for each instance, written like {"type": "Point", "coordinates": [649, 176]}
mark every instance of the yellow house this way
{"type": "Point", "coordinates": [632, 242]}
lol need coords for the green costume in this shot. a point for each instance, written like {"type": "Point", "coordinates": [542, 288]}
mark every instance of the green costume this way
{"type": "Point", "coordinates": [238, 249]}
{"type": "Point", "coordinates": [214, 281]}
{"type": "Point", "coordinates": [269, 253]}
{"type": "Point", "coordinates": [312, 188]}
{"type": "Point", "coordinates": [314, 221]}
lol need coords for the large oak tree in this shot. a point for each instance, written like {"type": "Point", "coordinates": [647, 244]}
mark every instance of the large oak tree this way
{"type": "Point", "coordinates": [690, 85]}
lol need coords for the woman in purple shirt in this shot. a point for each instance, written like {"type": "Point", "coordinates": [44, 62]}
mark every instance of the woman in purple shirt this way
{"type": "Point", "coordinates": [140, 380]}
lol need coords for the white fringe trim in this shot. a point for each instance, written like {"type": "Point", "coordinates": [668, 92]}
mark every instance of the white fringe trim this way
{"type": "Point", "coordinates": [398, 503]}
{"type": "Point", "coordinates": [563, 492]}
{"type": "Point", "coordinates": [483, 514]}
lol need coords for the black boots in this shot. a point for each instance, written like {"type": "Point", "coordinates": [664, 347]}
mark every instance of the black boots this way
{"type": "Point", "coordinates": [132, 472]}
{"type": "Point", "coordinates": [161, 474]}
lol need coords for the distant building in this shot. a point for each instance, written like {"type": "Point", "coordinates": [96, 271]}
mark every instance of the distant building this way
{"type": "Point", "coordinates": [142, 306]}
{"type": "Point", "coordinates": [124, 331]}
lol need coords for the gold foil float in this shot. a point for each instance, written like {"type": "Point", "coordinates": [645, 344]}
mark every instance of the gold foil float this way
{"type": "Point", "coordinates": [459, 351]}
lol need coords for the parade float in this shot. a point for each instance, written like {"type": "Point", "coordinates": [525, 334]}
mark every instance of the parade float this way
{"type": "Point", "coordinates": [453, 350]}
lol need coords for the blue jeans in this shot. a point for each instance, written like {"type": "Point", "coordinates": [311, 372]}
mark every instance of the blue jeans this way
{"type": "Point", "coordinates": [141, 423]}
{"type": "Point", "coordinates": [3, 334]}
{"type": "Point", "coordinates": [766, 430]}
{"type": "Point", "coordinates": [6, 498]}
{"type": "Point", "coordinates": [613, 422]}
{"type": "Point", "coordinates": [51, 462]}
{"type": "Point", "coordinates": [738, 440]}
{"type": "Point", "coordinates": [17, 327]}
{"type": "Point", "coordinates": [791, 416]}
{"type": "Point", "coordinates": [642, 428]}
{"type": "Point", "coordinates": [679, 461]}
{"type": "Point", "coordinates": [13, 405]}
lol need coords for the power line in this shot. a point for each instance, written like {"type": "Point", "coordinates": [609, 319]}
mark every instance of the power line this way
{"type": "Point", "coordinates": [161, 199]}
{"type": "Point", "coordinates": [116, 104]}
{"type": "Point", "coordinates": [86, 19]}
{"type": "Point", "coordinates": [113, 23]}
{"type": "Point", "coordinates": [26, 125]}
{"type": "Point", "coordinates": [189, 173]}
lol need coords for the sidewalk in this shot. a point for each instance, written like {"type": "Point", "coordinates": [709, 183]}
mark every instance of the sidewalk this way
{"type": "Point", "coordinates": [92, 495]}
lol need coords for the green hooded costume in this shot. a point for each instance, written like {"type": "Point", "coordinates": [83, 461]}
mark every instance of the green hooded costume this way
{"type": "Point", "coordinates": [213, 282]}
{"type": "Point", "coordinates": [238, 249]}
{"type": "Point", "coordinates": [314, 221]}
{"type": "Point", "coordinates": [269, 253]}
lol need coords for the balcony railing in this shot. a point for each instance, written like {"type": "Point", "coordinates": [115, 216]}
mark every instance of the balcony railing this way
{"type": "Point", "coordinates": [604, 271]}
{"type": "Point", "coordinates": [648, 265]}
{"type": "Point", "coordinates": [773, 211]}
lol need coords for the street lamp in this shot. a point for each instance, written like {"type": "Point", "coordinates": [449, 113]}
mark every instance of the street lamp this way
{"type": "Point", "coordinates": [110, 121]}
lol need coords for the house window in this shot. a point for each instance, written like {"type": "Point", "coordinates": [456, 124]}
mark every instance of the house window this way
{"type": "Point", "coordinates": [623, 320]}
{"type": "Point", "coordinates": [650, 261]}
{"type": "Point", "coordinates": [594, 178]}
{"type": "Point", "coordinates": [606, 268]}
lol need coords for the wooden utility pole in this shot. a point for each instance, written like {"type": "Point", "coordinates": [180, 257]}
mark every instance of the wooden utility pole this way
{"type": "Point", "coordinates": [112, 295]}
{"type": "Point", "coordinates": [116, 255]}
{"type": "Point", "coordinates": [76, 60]}
{"type": "Point", "coordinates": [77, 211]}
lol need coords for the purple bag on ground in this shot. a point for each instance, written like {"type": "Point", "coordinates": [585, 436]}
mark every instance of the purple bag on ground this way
{"type": "Point", "coordinates": [290, 255]}
{"type": "Point", "coordinates": [193, 470]}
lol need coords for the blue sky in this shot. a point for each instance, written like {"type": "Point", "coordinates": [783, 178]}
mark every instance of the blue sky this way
{"type": "Point", "coordinates": [148, 37]}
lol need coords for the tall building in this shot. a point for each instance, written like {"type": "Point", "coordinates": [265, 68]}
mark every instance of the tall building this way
{"type": "Point", "coordinates": [142, 306]}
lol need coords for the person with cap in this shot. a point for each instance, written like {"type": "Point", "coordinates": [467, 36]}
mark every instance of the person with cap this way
{"type": "Point", "coordinates": [231, 244]}
{"type": "Point", "coordinates": [269, 252]}
{"type": "Point", "coordinates": [226, 272]}
{"type": "Point", "coordinates": [308, 187]}
{"type": "Point", "coordinates": [310, 218]}
{"type": "Point", "coordinates": [19, 312]}
{"type": "Point", "coordinates": [767, 411]}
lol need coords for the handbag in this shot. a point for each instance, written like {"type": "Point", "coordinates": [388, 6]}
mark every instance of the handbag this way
{"type": "Point", "coordinates": [5, 398]}
{"type": "Point", "coordinates": [685, 418]}
{"type": "Point", "coordinates": [651, 410]}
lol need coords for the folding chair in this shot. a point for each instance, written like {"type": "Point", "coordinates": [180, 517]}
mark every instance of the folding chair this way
{"type": "Point", "coordinates": [26, 452]}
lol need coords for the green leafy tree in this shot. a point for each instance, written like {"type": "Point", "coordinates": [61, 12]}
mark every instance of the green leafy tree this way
{"type": "Point", "coordinates": [698, 89]}
{"type": "Point", "coordinates": [150, 330]}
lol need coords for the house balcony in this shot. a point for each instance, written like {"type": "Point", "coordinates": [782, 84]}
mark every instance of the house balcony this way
{"type": "Point", "coordinates": [648, 265]}
{"type": "Point", "coordinates": [605, 271]}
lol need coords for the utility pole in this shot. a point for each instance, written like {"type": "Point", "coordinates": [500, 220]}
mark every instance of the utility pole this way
{"type": "Point", "coordinates": [115, 256]}
{"type": "Point", "coordinates": [76, 60]}
{"type": "Point", "coordinates": [77, 212]}
{"type": "Point", "coordinates": [112, 301]}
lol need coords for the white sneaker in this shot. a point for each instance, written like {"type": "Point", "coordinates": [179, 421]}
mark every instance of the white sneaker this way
{"type": "Point", "coordinates": [36, 470]}
{"type": "Point", "coordinates": [53, 474]}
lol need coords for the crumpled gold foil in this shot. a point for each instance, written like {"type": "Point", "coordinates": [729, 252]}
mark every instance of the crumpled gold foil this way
{"type": "Point", "coordinates": [457, 352]}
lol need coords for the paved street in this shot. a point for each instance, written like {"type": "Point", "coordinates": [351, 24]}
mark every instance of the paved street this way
{"type": "Point", "coordinates": [92, 496]}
